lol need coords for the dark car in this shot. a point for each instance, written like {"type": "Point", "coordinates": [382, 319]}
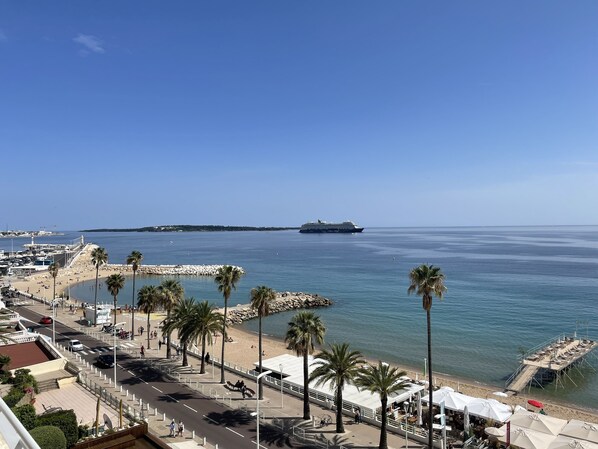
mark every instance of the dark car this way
{"type": "Point", "coordinates": [46, 320]}
{"type": "Point", "coordinates": [105, 361]}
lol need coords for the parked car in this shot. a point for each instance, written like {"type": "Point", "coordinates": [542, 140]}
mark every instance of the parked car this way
{"type": "Point", "coordinates": [45, 320]}
{"type": "Point", "coordinates": [75, 345]}
{"type": "Point", "coordinates": [105, 361]}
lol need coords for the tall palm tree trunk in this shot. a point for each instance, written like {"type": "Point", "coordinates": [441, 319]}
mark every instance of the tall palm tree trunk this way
{"type": "Point", "coordinates": [340, 427]}
{"type": "Point", "coordinates": [133, 309]}
{"type": "Point", "coordinates": [306, 414]}
{"type": "Point", "coordinates": [168, 349]}
{"type": "Point", "coordinates": [202, 368]}
{"type": "Point", "coordinates": [114, 313]}
{"type": "Point", "coordinates": [95, 299]}
{"type": "Point", "coordinates": [148, 330]}
{"type": "Point", "coordinates": [185, 361]}
{"type": "Point", "coordinates": [223, 342]}
{"type": "Point", "coordinates": [260, 386]}
{"type": "Point", "coordinates": [383, 438]}
{"type": "Point", "coordinates": [430, 385]}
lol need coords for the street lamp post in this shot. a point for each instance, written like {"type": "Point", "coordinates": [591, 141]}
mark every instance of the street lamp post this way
{"type": "Point", "coordinates": [281, 394]}
{"type": "Point", "coordinates": [257, 408]}
{"type": "Point", "coordinates": [406, 432]}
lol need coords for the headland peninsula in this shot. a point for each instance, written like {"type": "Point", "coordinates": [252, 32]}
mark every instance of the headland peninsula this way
{"type": "Point", "coordinates": [191, 228]}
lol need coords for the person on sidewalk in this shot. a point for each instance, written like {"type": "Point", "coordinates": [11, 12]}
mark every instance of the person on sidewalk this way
{"type": "Point", "coordinates": [172, 427]}
{"type": "Point", "coordinates": [142, 351]}
{"type": "Point", "coordinates": [181, 429]}
{"type": "Point", "coordinates": [159, 345]}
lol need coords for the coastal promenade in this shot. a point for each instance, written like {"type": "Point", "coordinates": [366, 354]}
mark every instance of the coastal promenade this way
{"type": "Point", "coordinates": [280, 415]}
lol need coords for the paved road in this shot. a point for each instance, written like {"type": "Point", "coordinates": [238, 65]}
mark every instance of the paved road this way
{"type": "Point", "coordinates": [231, 429]}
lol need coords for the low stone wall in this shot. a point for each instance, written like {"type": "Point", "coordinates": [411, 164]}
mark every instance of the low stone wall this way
{"type": "Point", "coordinates": [172, 270]}
{"type": "Point", "coordinates": [284, 301]}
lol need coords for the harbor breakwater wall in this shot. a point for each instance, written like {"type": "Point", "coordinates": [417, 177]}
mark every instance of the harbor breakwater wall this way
{"type": "Point", "coordinates": [284, 301]}
{"type": "Point", "coordinates": [171, 270]}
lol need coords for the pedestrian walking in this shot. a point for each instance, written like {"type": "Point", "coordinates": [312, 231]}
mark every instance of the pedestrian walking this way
{"type": "Point", "coordinates": [159, 345]}
{"type": "Point", "coordinates": [142, 351]}
{"type": "Point", "coordinates": [181, 429]}
{"type": "Point", "coordinates": [172, 427]}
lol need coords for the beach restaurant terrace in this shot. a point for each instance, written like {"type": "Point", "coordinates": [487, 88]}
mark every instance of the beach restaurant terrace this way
{"type": "Point", "coordinates": [290, 368]}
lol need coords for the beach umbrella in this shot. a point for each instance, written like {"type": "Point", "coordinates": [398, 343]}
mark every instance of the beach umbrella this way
{"type": "Point", "coordinates": [494, 431]}
{"type": "Point", "coordinates": [538, 422]}
{"type": "Point", "coordinates": [452, 400]}
{"type": "Point", "coordinates": [535, 403]}
{"type": "Point", "coordinates": [581, 430]}
{"type": "Point", "coordinates": [564, 442]}
{"type": "Point", "coordinates": [526, 438]}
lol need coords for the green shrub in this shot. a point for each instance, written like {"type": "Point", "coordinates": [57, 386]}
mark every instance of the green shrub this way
{"type": "Point", "coordinates": [49, 437]}
{"type": "Point", "coordinates": [23, 380]}
{"type": "Point", "coordinates": [65, 420]}
{"type": "Point", "coordinates": [14, 396]}
{"type": "Point", "coordinates": [26, 414]}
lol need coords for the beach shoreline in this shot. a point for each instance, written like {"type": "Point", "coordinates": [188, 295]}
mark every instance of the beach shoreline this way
{"type": "Point", "coordinates": [244, 345]}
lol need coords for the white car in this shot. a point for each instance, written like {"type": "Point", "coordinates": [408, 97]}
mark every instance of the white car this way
{"type": "Point", "coordinates": [75, 345]}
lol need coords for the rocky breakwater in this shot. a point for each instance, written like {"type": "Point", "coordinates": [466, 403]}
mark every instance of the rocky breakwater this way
{"type": "Point", "coordinates": [173, 270]}
{"type": "Point", "coordinates": [284, 301]}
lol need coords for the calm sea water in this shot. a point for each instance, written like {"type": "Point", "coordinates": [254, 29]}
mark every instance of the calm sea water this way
{"type": "Point", "coordinates": [508, 288]}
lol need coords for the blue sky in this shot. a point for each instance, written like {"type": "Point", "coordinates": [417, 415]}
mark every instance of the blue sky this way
{"type": "Point", "coordinates": [390, 113]}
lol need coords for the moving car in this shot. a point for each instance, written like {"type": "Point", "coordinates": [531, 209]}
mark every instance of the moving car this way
{"type": "Point", "coordinates": [75, 345]}
{"type": "Point", "coordinates": [46, 320]}
{"type": "Point", "coordinates": [105, 361]}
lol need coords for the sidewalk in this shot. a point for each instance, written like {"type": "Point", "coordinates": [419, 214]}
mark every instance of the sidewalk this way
{"type": "Point", "coordinates": [282, 412]}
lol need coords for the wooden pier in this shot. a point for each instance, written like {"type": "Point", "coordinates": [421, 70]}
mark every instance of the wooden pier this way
{"type": "Point", "coordinates": [550, 360]}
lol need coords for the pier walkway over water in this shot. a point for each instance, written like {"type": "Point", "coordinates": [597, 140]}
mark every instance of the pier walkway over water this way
{"type": "Point", "coordinates": [551, 360]}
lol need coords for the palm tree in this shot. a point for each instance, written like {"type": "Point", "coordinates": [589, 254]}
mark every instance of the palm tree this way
{"type": "Point", "coordinates": [181, 319]}
{"type": "Point", "coordinates": [384, 381]}
{"type": "Point", "coordinates": [115, 283]}
{"type": "Point", "coordinates": [339, 366]}
{"type": "Point", "coordinates": [226, 278]}
{"type": "Point", "coordinates": [148, 298]}
{"type": "Point", "coordinates": [53, 270]}
{"type": "Point", "coordinates": [304, 328]}
{"type": "Point", "coordinates": [171, 293]}
{"type": "Point", "coordinates": [261, 299]}
{"type": "Point", "coordinates": [207, 322]}
{"type": "Point", "coordinates": [427, 280]}
{"type": "Point", "coordinates": [99, 257]}
{"type": "Point", "coordinates": [135, 259]}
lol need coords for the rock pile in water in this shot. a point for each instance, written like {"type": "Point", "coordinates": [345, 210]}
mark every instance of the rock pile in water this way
{"type": "Point", "coordinates": [284, 301]}
{"type": "Point", "coordinates": [174, 270]}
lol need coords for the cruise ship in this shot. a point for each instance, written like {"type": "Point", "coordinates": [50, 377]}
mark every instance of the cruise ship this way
{"type": "Point", "coordinates": [320, 227]}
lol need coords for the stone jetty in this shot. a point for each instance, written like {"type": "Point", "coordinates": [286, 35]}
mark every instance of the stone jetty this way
{"type": "Point", "coordinates": [284, 301]}
{"type": "Point", "coordinates": [171, 270]}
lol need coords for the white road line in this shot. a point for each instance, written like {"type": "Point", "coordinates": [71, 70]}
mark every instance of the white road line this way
{"type": "Point", "coordinates": [242, 436]}
{"type": "Point", "coordinates": [83, 352]}
{"type": "Point", "coordinates": [210, 419]}
{"type": "Point", "coordinates": [157, 389]}
{"type": "Point", "coordinates": [175, 400]}
{"type": "Point", "coordinates": [253, 441]}
{"type": "Point", "coordinates": [190, 408]}
{"type": "Point", "coordinates": [131, 373]}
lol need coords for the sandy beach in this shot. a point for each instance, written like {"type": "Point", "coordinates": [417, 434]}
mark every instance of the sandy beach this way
{"type": "Point", "coordinates": [243, 349]}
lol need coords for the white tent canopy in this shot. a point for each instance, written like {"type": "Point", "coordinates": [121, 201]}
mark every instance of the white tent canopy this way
{"type": "Point", "coordinates": [490, 408]}
{"type": "Point", "coordinates": [581, 430]}
{"type": "Point", "coordinates": [452, 400]}
{"type": "Point", "coordinates": [292, 371]}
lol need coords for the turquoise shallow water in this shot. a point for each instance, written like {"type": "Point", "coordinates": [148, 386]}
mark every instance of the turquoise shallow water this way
{"type": "Point", "coordinates": [508, 288]}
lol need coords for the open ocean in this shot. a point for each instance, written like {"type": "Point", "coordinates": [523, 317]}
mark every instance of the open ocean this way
{"type": "Point", "coordinates": [508, 288]}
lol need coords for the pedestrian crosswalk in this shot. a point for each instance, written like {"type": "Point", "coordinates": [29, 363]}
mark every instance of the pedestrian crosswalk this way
{"type": "Point", "coordinates": [102, 349]}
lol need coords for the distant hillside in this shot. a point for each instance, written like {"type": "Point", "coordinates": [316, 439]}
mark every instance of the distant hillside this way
{"type": "Point", "coordinates": [189, 228]}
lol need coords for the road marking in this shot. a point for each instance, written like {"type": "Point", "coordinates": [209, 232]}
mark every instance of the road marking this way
{"type": "Point", "coordinates": [168, 396]}
{"type": "Point", "coordinates": [210, 419]}
{"type": "Point", "coordinates": [253, 441]}
{"type": "Point", "coordinates": [190, 408]}
{"type": "Point", "coordinates": [155, 388]}
{"type": "Point", "coordinates": [242, 436]}
{"type": "Point", "coordinates": [131, 373]}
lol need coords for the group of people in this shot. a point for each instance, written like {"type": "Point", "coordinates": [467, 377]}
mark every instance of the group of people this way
{"type": "Point", "coordinates": [176, 430]}
{"type": "Point", "coordinates": [240, 385]}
